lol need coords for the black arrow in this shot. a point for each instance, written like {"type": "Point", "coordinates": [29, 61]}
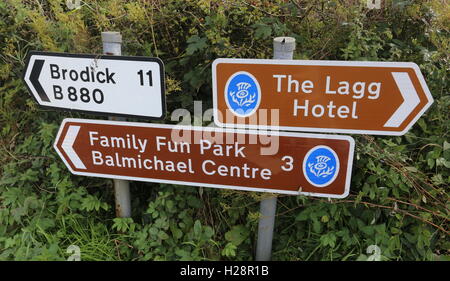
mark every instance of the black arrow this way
{"type": "Point", "coordinates": [34, 79]}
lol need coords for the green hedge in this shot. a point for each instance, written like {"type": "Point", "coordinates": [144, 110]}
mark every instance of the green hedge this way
{"type": "Point", "coordinates": [400, 185]}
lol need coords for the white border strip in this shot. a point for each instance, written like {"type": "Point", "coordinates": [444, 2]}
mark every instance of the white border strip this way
{"type": "Point", "coordinates": [67, 146]}
{"type": "Point", "coordinates": [410, 99]}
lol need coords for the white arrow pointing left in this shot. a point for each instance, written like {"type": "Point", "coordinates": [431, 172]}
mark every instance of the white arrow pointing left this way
{"type": "Point", "coordinates": [67, 146]}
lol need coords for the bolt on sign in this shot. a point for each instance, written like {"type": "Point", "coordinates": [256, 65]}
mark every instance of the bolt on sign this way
{"type": "Point", "coordinates": [380, 98]}
{"type": "Point", "coordinates": [107, 85]}
{"type": "Point", "coordinates": [289, 163]}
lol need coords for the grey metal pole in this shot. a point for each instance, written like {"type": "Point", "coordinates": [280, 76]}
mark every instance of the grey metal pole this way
{"type": "Point", "coordinates": [283, 49]}
{"type": "Point", "coordinates": [112, 45]}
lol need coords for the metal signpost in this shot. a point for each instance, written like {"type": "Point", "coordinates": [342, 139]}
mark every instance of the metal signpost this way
{"type": "Point", "coordinates": [287, 163]}
{"type": "Point", "coordinates": [379, 98]}
{"type": "Point", "coordinates": [112, 45]}
{"type": "Point", "coordinates": [102, 84]}
{"type": "Point", "coordinates": [283, 49]}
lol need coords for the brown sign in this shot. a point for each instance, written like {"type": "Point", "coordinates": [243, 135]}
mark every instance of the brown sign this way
{"type": "Point", "coordinates": [383, 98]}
{"type": "Point", "coordinates": [290, 163]}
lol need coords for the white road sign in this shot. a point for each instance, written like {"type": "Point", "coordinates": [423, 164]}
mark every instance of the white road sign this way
{"type": "Point", "coordinates": [108, 85]}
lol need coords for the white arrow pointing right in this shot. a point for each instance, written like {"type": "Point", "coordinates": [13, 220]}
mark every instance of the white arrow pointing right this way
{"type": "Point", "coordinates": [410, 99]}
{"type": "Point", "coordinates": [67, 146]}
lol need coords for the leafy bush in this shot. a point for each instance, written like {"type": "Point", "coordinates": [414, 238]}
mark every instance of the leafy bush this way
{"type": "Point", "coordinates": [399, 190]}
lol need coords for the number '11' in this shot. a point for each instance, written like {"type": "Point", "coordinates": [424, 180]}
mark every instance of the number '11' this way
{"type": "Point", "coordinates": [141, 77]}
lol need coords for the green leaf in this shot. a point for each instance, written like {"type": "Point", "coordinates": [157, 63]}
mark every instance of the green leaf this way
{"type": "Point", "coordinates": [446, 145]}
{"type": "Point", "coordinates": [45, 223]}
{"type": "Point", "coordinates": [412, 169]}
{"type": "Point", "coordinates": [303, 216]}
{"type": "Point", "coordinates": [208, 232]}
{"type": "Point", "coordinates": [195, 44]}
{"type": "Point", "coordinates": [162, 235]}
{"type": "Point", "coordinates": [328, 239]}
{"type": "Point", "coordinates": [237, 234]}
{"type": "Point", "coordinates": [262, 31]}
{"type": "Point", "coordinates": [122, 224]}
{"type": "Point", "coordinates": [197, 228]}
{"type": "Point", "coordinates": [176, 232]}
{"type": "Point", "coordinates": [229, 250]}
{"type": "Point", "coordinates": [317, 226]}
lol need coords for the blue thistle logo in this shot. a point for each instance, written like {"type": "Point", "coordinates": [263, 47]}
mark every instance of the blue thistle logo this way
{"type": "Point", "coordinates": [242, 94]}
{"type": "Point", "coordinates": [321, 166]}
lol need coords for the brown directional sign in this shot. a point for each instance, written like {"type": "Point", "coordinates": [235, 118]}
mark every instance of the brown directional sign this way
{"type": "Point", "coordinates": [289, 163]}
{"type": "Point", "coordinates": [382, 98]}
